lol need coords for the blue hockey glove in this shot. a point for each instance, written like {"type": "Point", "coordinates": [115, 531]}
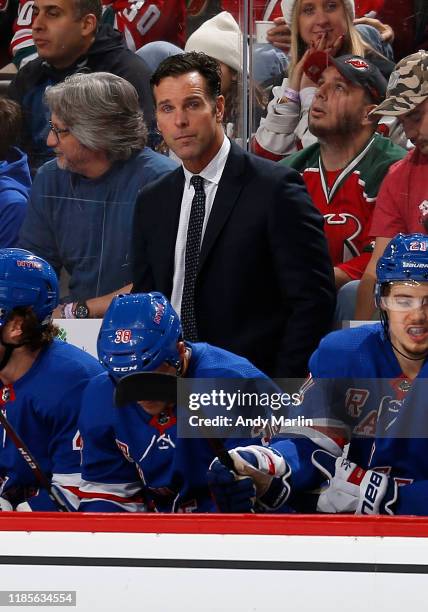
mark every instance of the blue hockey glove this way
{"type": "Point", "coordinates": [231, 494]}
{"type": "Point", "coordinates": [268, 472]}
{"type": "Point", "coordinates": [351, 488]}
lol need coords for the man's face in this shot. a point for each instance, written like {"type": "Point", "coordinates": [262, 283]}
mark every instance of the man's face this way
{"type": "Point", "coordinates": [415, 124]}
{"type": "Point", "coordinates": [408, 318]}
{"type": "Point", "coordinates": [59, 36]}
{"type": "Point", "coordinates": [338, 107]}
{"type": "Point", "coordinates": [189, 120]}
{"type": "Point", "coordinates": [70, 153]}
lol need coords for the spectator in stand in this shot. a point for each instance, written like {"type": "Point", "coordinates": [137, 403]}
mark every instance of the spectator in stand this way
{"type": "Point", "coordinates": [221, 38]}
{"type": "Point", "coordinates": [402, 204]}
{"type": "Point", "coordinates": [69, 39]}
{"type": "Point", "coordinates": [315, 25]}
{"type": "Point", "coordinates": [343, 171]}
{"type": "Point", "coordinates": [82, 203]}
{"type": "Point", "coordinates": [15, 180]}
{"type": "Point", "coordinates": [140, 23]}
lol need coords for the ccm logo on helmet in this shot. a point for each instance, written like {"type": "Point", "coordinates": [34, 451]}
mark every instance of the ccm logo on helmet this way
{"type": "Point", "coordinates": [26, 263]}
{"type": "Point", "coordinates": [125, 368]}
{"type": "Point", "coordinates": [160, 309]}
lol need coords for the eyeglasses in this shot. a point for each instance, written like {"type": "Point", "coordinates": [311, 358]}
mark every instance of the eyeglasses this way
{"type": "Point", "coordinates": [403, 303]}
{"type": "Point", "coordinates": [57, 131]}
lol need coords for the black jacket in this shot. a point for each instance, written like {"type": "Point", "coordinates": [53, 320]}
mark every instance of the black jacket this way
{"type": "Point", "coordinates": [108, 53]}
{"type": "Point", "coordinates": [265, 285]}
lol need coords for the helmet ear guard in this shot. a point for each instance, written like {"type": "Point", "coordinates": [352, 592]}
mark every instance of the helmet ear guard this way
{"type": "Point", "coordinates": [139, 333]}
{"type": "Point", "coordinates": [28, 281]}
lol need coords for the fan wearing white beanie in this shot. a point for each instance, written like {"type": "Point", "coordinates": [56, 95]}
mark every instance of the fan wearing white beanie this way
{"type": "Point", "coordinates": [315, 25]}
{"type": "Point", "coordinates": [287, 7]}
{"type": "Point", "coordinates": [221, 38]}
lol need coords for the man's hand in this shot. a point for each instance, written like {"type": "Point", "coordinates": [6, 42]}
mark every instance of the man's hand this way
{"type": "Point", "coordinates": [280, 35]}
{"type": "Point", "coordinates": [385, 30]}
{"type": "Point", "coordinates": [231, 494]}
{"type": "Point", "coordinates": [267, 472]}
{"type": "Point", "coordinates": [351, 489]}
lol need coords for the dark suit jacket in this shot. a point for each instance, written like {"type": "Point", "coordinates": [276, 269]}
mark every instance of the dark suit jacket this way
{"type": "Point", "coordinates": [265, 286]}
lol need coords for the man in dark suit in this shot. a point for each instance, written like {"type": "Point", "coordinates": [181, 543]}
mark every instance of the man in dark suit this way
{"type": "Point", "coordinates": [240, 249]}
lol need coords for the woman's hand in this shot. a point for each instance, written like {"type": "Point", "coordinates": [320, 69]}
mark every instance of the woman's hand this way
{"type": "Point", "coordinates": [298, 79]}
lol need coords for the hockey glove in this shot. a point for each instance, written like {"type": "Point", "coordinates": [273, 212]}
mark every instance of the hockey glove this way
{"type": "Point", "coordinates": [231, 494]}
{"type": "Point", "coordinates": [268, 474]}
{"type": "Point", "coordinates": [352, 489]}
{"type": "Point", "coordinates": [5, 506]}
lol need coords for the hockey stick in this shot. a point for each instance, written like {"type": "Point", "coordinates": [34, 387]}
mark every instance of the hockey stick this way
{"type": "Point", "coordinates": [32, 464]}
{"type": "Point", "coordinates": [158, 386]}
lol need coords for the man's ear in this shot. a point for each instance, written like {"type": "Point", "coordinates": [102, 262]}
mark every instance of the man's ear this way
{"type": "Point", "coordinates": [89, 24]}
{"type": "Point", "coordinates": [219, 108]}
{"type": "Point", "coordinates": [367, 120]}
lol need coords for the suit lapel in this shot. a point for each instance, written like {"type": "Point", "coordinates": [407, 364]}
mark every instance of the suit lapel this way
{"type": "Point", "coordinates": [228, 191]}
{"type": "Point", "coordinates": [169, 218]}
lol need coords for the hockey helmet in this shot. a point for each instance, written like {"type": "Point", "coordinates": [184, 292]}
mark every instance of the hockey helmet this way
{"type": "Point", "coordinates": [27, 280]}
{"type": "Point", "coordinates": [405, 259]}
{"type": "Point", "coordinates": [139, 332]}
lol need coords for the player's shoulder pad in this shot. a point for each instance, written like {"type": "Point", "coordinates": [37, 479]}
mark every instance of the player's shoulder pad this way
{"type": "Point", "coordinates": [336, 353]}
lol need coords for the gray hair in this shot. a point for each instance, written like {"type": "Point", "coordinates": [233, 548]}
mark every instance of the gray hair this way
{"type": "Point", "coordinates": [101, 110]}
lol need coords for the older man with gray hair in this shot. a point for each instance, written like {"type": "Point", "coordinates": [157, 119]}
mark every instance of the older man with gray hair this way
{"type": "Point", "coordinates": [82, 204]}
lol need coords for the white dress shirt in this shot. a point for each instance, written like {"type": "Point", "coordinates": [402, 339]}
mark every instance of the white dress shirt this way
{"type": "Point", "coordinates": [211, 175]}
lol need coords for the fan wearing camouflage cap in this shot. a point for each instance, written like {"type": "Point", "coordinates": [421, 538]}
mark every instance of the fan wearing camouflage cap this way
{"type": "Point", "coordinates": [402, 204]}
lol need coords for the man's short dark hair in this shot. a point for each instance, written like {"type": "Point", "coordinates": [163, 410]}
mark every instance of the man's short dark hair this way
{"type": "Point", "coordinates": [85, 7]}
{"type": "Point", "coordinates": [10, 125]}
{"type": "Point", "coordinates": [176, 65]}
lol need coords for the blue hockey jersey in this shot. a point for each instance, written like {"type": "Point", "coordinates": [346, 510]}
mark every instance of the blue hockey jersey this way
{"type": "Point", "coordinates": [135, 462]}
{"type": "Point", "coordinates": [43, 407]}
{"type": "Point", "coordinates": [357, 394]}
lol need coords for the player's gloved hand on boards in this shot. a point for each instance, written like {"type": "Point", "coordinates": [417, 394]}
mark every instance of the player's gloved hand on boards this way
{"type": "Point", "coordinates": [351, 488]}
{"type": "Point", "coordinates": [268, 472]}
{"type": "Point", "coordinates": [5, 506]}
{"type": "Point", "coordinates": [41, 502]}
{"type": "Point", "coordinates": [231, 494]}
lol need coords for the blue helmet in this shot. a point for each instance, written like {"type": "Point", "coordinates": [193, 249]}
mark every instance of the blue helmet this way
{"type": "Point", "coordinates": [404, 259]}
{"type": "Point", "coordinates": [27, 280]}
{"type": "Point", "coordinates": [139, 332]}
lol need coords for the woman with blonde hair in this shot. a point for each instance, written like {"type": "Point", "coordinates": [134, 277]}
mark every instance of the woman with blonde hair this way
{"type": "Point", "coordinates": [315, 25]}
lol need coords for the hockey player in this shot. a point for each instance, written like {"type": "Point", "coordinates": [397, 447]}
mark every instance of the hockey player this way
{"type": "Point", "coordinates": [132, 455]}
{"type": "Point", "coordinates": [372, 397]}
{"type": "Point", "coordinates": [42, 383]}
